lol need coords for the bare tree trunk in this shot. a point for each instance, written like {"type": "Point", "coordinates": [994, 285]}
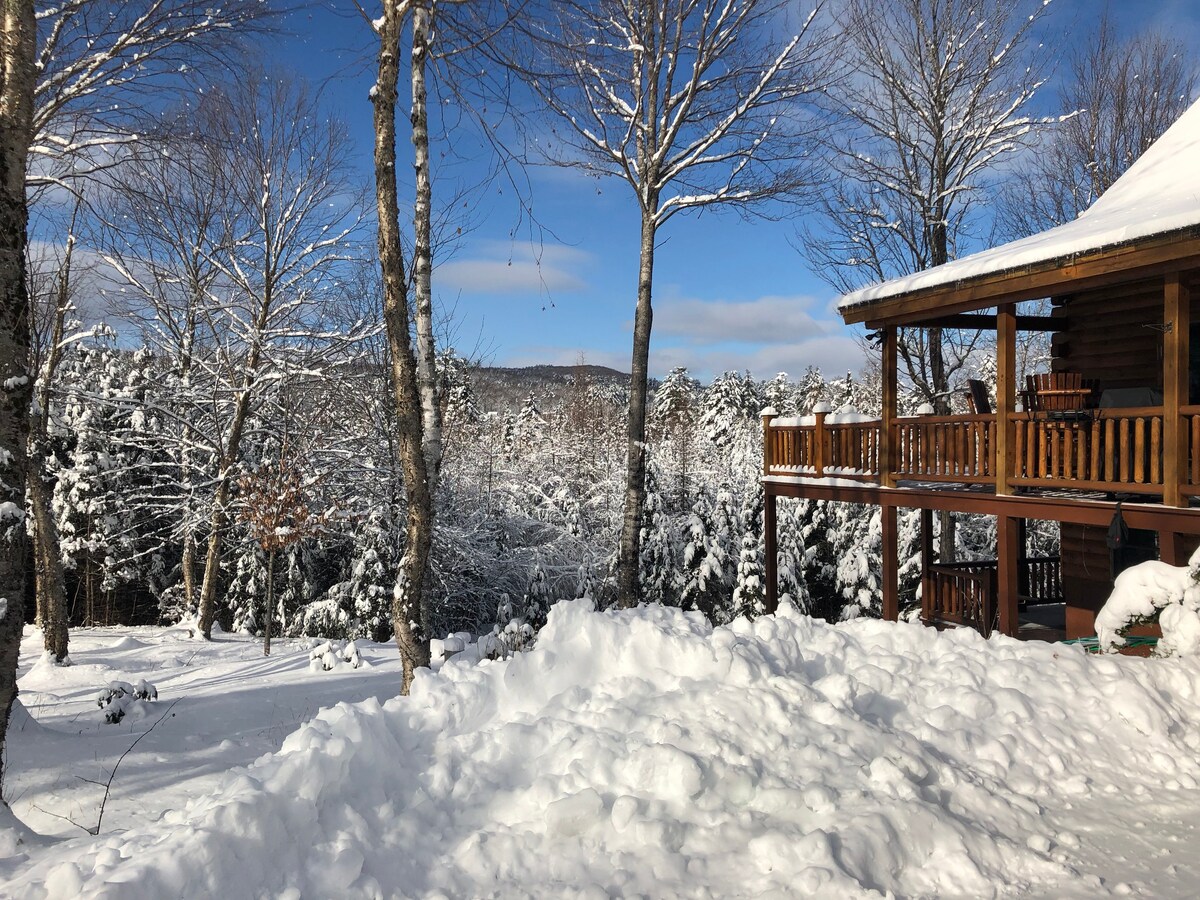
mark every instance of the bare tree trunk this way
{"type": "Point", "coordinates": [18, 34]}
{"type": "Point", "coordinates": [628, 590]}
{"type": "Point", "coordinates": [212, 559]}
{"type": "Point", "coordinates": [431, 410]}
{"type": "Point", "coordinates": [188, 564]}
{"type": "Point", "coordinates": [409, 615]}
{"type": "Point", "coordinates": [270, 603]}
{"type": "Point", "coordinates": [51, 592]}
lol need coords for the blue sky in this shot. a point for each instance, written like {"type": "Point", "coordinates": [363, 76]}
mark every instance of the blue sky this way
{"type": "Point", "coordinates": [730, 293]}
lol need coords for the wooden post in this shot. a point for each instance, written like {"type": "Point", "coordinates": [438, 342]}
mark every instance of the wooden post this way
{"type": "Point", "coordinates": [891, 565]}
{"type": "Point", "coordinates": [820, 437]}
{"type": "Point", "coordinates": [927, 587]}
{"type": "Point", "coordinates": [1022, 558]}
{"type": "Point", "coordinates": [1177, 324]}
{"type": "Point", "coordinates": [887, 450]}
{"type": "Point", "coordinates": [1006, 393]}
{"type": "Point", "coordinates": [1006, 573]}
{"type": "Point", "coordinates": [768, 416]}
{"type": "Point", "coordinates": [770, 553]}
{"type": "Point", "coordinates": [1176, 549]}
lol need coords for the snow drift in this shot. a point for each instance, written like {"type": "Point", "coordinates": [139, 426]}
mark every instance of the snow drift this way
{"type": "Point", "coordinates": [644, 752]}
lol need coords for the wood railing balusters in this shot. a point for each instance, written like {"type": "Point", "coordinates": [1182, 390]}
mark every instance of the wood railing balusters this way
{"type": "Point", "coordinates": [1156, 451]}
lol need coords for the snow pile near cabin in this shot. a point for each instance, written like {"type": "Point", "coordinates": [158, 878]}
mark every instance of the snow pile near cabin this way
{"type": "Point", "coordinates": [644, 752]}
{"type": "Point", "coordinates": [1155, 591]}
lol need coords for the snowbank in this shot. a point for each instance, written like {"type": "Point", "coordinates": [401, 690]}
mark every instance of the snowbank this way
{"type": "Point", "coordinates": [1155, 589]}
{"type": "Point", "coordinates": [644, 752]}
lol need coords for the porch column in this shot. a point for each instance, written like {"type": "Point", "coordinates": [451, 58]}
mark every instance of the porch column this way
{"type": "Point", "coordinates": [1176, 549]}
{"type": "Point", "coordinates": [1176, 321]}
{"type": "Point", "coordinates": [1006, 392]}
{"type": "Point", "coordinates": [891, 565]}
{"type": "Point", "coordinates": [886, 451]}
{"type": "Point", "coordinates": [770, 553]}
{"type": "Point", "coordinates": [1006, 573]}
{"type": "Point", "coordinates": [927, 587]}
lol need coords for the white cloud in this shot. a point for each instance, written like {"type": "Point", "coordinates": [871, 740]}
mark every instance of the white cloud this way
{"type": "Point", "coordinates": [497, 267]}
{"type": "Point", "coordinates": [832, 354]}
{"type": "Point", "coordinates": [766, 320]}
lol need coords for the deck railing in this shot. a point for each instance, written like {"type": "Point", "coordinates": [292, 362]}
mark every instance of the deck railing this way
{"type": "Point", "coordinates": [960, 594]}
{"type": "Point", "coordinates": [964, 593]}
{"type": "Point", "coordinates": [1113, 450]}
{"type": "Point", "coordinates": [945, 448]}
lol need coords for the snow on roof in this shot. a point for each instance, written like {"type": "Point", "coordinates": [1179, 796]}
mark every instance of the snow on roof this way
{"type": "Point", "coordinates": [1160, 193]}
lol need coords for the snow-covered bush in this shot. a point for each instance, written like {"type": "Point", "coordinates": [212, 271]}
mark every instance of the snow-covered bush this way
{"type": "Point", "coordinates": [329, 657]}
{"type": "Point", "coordinates": [1150, 592]}
{"type": "Point", "coordinates": [120, 698]}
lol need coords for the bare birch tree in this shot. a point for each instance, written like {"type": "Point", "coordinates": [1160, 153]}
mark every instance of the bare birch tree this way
{"type": "Point", "coordinates": [1117, 97]}
{"type": "Point", "coordinates": [413, 369]}
{"type": "Point", "coordinates": [52, 295]}
{"type": "Point", "coordinates": [18, 36]}
{"type": "Point", "coordinates": [694, 104]}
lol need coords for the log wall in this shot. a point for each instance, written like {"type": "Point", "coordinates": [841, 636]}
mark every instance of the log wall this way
{"type": "Point", "coordinates": [1106, 339]}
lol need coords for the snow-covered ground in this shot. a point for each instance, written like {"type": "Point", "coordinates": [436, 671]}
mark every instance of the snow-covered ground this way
{"type": "Point", "coordinates": [630, 754]}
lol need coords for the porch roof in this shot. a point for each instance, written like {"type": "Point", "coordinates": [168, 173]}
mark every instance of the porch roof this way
{"type": "Point", "coordinates": [1150, 217]}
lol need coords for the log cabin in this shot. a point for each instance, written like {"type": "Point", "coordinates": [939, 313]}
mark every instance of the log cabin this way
{"type": "Point", "coordinates": [1112, 426]}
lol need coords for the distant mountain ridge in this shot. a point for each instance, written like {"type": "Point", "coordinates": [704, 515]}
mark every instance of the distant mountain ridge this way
{"type": "Point", "coordinates": [504, 388]}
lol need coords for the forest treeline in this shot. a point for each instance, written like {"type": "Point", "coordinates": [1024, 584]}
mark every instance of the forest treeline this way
{"type": "Point", "coordinates": [528, 508]}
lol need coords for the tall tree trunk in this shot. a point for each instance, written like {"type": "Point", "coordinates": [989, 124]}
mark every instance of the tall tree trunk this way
{"type": "Point", "coordinates": [628, 590]}
{"type": "Point", "coordinates": [18, 35]}
{"type": "Point", "coordinates": [212, 559]}
{"type": "Point", "coordinates": [409, 615]}
{"type": "Point", "coordinates": [270, 602]}
{"type": "Point", "coordinates": [49, 581]}
{"type": "Point", "coordinates": [48, 571]}
{"type": "Point", "coordinates": [431, 411]}
{"type": "Point", "coordinates": [229, 458]}
{"type": "Point", "coordinates": [188, 565]}
{"type": "Point", "coordinates": [939, 246]}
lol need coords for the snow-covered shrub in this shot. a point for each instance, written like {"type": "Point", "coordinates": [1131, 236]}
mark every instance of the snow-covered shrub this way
{"type": "Point", "coordinates": [329, 657]}
{"type": "Point", "coordinates": [1151, 592]}
{"type": "Point", "coordinates": [119, 698]}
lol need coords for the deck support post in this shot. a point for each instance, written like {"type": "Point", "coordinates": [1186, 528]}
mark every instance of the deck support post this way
{"type": "Point", "coordinates": [1022, 558]}
{"type": "Point", "coordinates": [887, 451]}
{"type": "Point", "coordinates": [891, 564]}
{"type": "Point", "coordinates": [927, 587]}
{"type": "Point", "coordinates": [770, 553]}
{"type": "Point", "coordinates": [1175, 549]}
{"type": "Point", "coordinates": [1006, 393]}
{"type": "Point", "coordinates": [1176, 335]}
{"type": "Point", "coordinates": [1007, 534]}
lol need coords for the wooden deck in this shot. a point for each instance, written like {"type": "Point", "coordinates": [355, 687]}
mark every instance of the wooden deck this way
{"type": "Point", "coordinates": [1103, 451]}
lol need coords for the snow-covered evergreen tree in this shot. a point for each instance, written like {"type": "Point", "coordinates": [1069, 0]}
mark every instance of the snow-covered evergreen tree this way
{"type": "Point", "coordinates": [704, 576]}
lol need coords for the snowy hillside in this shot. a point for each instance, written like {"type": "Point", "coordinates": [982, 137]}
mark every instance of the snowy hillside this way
{"type": "Point", "coordinates": [634, 753]}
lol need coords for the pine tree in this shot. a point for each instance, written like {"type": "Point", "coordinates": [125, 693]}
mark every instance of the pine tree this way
{"type": "Point", "coordinates": [703, 578]}
{"type": "Point", "coordinates": [749, 592]}
{"type": "Point", "coordinates": [658, 553]}
{"type": "Point", "coordinates": [781, 395]}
